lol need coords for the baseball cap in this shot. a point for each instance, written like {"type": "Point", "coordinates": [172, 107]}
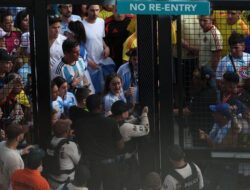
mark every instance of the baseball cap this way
{"type": "Point", "coordinates": [206, 73]}
{"type": "Point", "coordinates": [4, 56]}
{"type": "Point", "coordinates": [119, 107]}
{"type": "Point", "coordinates": [35, 157]}
{"type": "Point", "coordinates": [223, 109]}
{"type": "Point", "coordinates": [175, 152]}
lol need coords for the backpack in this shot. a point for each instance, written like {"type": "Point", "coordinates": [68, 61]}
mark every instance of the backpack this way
{"type": "Point", "coordinates": [189, 183]}
{"type": "Point", "coordinates": [51, 160]}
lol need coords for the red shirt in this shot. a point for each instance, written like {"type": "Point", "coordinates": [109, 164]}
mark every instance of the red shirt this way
{"type": "Point", "coordinates": [25, 179]}
{"type": "Point", "coordinates": [12, 42]}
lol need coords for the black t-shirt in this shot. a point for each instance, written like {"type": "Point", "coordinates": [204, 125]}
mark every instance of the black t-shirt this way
{"type": "Point", "coordinates": [97, 137]}
{"type": "Point", "coordinates": [115, 35]}
{"type": "Point", "coordinates": [76, 113]}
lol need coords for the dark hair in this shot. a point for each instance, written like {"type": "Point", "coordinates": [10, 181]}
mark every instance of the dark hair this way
{"type": "Point", "coordinates": [54, 19]}
{"type": "Point", "coordinates": [4, 13]}
{"type": "Point", "coordinates": [175, 152]}
{"type": "Point", "coordinates": [230, 76]}
{"type": "Point", "coordinates": [13, 130]}
{"type": "Point", "coordinates": [79, 30]}
{"type": "Point", "coordinates": [68, 45]}
{"type": "Point", "coordinates": [34, 158]}
{"type": "Point", "coordinates": [19, 17]}
{"type": "Point", "coordinates": [109, 78]}
{"type": "Point", "coordinates": [94, 102]}
{"type": "Point", "coordinates": [59, 81]}
{"type": "Point", "coordinates": [81, 94]}
{"type": "Point", "coordinates": [52, 84]}
{"type": "Point", "coordinates": [88, 6]}
{"type": "Point", "coordinates": [236, 38]}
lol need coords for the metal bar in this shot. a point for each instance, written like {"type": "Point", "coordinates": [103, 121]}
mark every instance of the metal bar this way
{"type": "Point", "coordinates": [148, 88]}
{"type": "Point", "coordinates": [43, 72]}
{"type": "Point", "coordinates": [166, 87]}
{"type": "Point", "coordinates": [180, 87]}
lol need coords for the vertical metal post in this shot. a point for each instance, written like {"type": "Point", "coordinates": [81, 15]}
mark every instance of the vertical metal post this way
{"type": "Point", "coordinates": [147, 48]}
{"type": "Point", "coordinates": [42, 72]}
{"type": "Point", "coordinates": [180, 75]}
{"type": "Point", "coordinates": [166, 87]}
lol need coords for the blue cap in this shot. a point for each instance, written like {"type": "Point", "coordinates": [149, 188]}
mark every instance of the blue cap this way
{"type": "Point", "coordinates": [206, 73]}
{"type": "Point", "coordinates": [223, 109]}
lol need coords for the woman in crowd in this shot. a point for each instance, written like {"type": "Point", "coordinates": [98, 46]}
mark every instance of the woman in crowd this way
{"type": "Point", "coordinates": [113, 91]}
{"type": "Point", "coordinates": [67, 97]}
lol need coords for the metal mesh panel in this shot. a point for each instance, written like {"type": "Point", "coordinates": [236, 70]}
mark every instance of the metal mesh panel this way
{"type": "Point", "coordinates": [16, 80]}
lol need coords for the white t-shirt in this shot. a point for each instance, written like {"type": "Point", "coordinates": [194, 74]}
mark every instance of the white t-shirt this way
{"type": "Point", "coordinates": [170, 182]}
{"type": "Point", "coordinates": [56, 54]}
{"type": "Point", "coordinates": [94, 44]}
{"type": "Point", "coordinates": [10, 160]}
{"type": "Point", "coordinates": [210, 42]}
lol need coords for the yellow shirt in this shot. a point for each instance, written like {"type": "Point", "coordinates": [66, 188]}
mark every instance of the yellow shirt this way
{"type": "Point", "coordinates": [105, 14]}
{"type": "Point", "coordinates": [132, 25]}
{"type": "Point", "coordinates": [131, 42]}
{"type": "Point", "coordinates": [226, 30]}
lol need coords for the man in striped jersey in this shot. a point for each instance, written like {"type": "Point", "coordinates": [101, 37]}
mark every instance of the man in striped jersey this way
{"type": "Point", "coordinates": [73, 68]}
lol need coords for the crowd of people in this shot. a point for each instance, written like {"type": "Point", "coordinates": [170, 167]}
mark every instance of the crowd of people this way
{"type": "Point", "coordinates": [96, 123]}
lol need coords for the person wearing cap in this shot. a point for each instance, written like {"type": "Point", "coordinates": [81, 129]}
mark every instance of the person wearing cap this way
{"type": "Point", "coordinates": [99, 140]}
{"type": "Point", "coordinates": [55, 43]}
{"type": "Point", "coordinates": [80, 180]}
{"type": "Point", "coordinates": [130, 129]}
{"type": "Point", "coordinates": [201, 96]}
{"type": "Point", "coordinates": [236, 61]}
{"type": "Point", "coordinates": [223, 133]}
{"type": "Point", "coordinates": [30, 177]}
{"type": "Point", "coordinates": [80, 110]}
{"type": "Point", "coordinates": [69, 153]}
{"type": "Point", "coordinates": [183, 174]}
{"type": "Point", "coordinates": [67, 16]}
{"type": "Point", "coordinates": [129, 75]}
{"type": "Point", "coordinates": [10, 157]}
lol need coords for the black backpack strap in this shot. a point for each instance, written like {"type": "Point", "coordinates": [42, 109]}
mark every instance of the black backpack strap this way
{"type": "Point", "coordinates": [232, 61]}
{"type": "Point", "coordinates": [65, 186]}
{"type": "Point", "coordinates": [176, 175]}
{"type": "Point", "coordinates": [194, 170]}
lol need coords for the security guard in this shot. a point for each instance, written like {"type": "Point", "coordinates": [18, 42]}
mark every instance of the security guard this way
{"type": "Point", "coordinates": [130, 129]}
{"type": "Point", "coordinates": [184, 175]}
